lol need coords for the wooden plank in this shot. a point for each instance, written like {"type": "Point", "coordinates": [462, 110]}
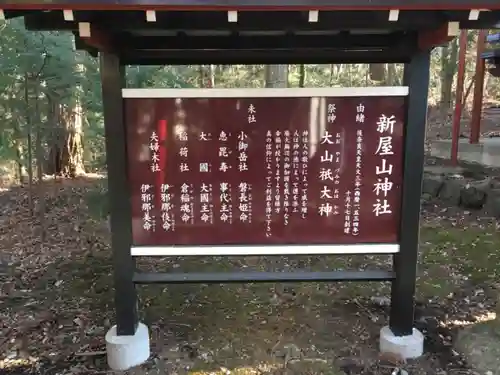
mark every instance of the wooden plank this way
{"type": "Point", "coordinates": [343, 41]}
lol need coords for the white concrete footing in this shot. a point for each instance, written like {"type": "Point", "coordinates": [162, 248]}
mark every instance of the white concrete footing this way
{"type": "Point", "coordinates": [411, 346]}
{"type": "Point", "coordinates": [125, 352]}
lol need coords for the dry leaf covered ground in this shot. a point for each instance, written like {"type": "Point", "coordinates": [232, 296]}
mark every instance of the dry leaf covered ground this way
{"type": "Point", "coordinates": [56, 300]}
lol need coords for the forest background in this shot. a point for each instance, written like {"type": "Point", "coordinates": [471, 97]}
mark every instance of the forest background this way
{"type": "Point", "coordinates": [51, 105]}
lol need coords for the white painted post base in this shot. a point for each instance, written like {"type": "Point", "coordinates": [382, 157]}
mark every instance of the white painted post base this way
{"type": "Point", "coordinates": [411, 346]}
{"type": "Point", "coordinates": [125, 352]}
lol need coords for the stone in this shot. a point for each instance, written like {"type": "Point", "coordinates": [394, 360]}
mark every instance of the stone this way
{"type": "Point", "coordinates": [288, 351]}
{"type": "Point", "coordinates": [426, 198]}
{"type": "Point", "coordinates": [443, 170]}
{"type": "Point", "coordinates": [495, 184]}
{"type": "Point", "coordinates": [432, 185]}
{"type": "Point", "coordinates": [406, 347]}
{"type": "Point", "coordinates": [492, 205]}
{"type": "Point", "coordinates": [473, 195]}
{"type": "Point", "coordinates": [451, 191]}
{"type": "Point", "coordinates": [381, 301]}
{"type": "Point", "coordinates": [125, 352]}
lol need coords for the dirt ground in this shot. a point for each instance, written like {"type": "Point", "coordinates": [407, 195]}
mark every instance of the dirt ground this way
{"type": "Point", "coordinates": [56, 300]}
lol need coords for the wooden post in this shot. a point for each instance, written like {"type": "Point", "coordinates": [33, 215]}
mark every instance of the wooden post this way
{"type": "Point", "coordinates": [477, 106]}
{"type": "Point", "coordinates": [455, 133]}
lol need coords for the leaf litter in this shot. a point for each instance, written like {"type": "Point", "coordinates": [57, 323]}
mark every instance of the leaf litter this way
{"type": "Point", "coordinates": [56, 299]}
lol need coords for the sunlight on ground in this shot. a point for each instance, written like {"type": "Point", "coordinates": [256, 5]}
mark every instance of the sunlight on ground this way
{"type": "Point", "coordinates": [245, 370]}
{"type": "Point", "coordinates": [237, 325]}
{"type": "Point", "coordinates": [310, 366]}
{"type": "Point", "coordinates": [481, 318]}
{"type": "Point", "coordinates": [90, 176]}
{"type": "Point", "coordinates": [18, 363]}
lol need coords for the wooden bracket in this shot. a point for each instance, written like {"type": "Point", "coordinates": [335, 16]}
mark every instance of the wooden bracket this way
{"type": "Point", "coordinates": [96, 38]}
{"type": "Point", "coordinates": [432, 38]}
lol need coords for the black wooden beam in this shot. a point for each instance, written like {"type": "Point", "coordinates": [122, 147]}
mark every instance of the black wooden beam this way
{"type": "Point", "coordinates": [342, 40]}
{"type": "Point", "coordinates": [261, 277]}
{"type": "Point", "coordinates": [251, 4]}
{"type": "Point", "coordinates": [247, 21]}
{"type": "Point", "coordinates": [19, 13]}
{"type": "Point", "coordinates": [80, 44]}
{"type": "Point", "coordinates": [113, 80]}
{"type": "Point", "coordinates": [256, 21]}
{"type": "Point", "coordinates": [249, 57]}
{"type": "Point", "coordinates": [416, 77]}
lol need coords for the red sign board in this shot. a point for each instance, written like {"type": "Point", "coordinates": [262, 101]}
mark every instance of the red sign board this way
{"type": "Point", "coordinates": [289, 170]}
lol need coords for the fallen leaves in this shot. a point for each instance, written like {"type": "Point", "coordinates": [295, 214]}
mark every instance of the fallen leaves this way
{"type": "Point", "coordinates": [316, 326]}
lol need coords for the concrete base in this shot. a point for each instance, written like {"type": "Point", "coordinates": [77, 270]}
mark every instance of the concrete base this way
{"type": "Point", "coordinates": [125, 352]}
{"type": "Point", "coordinates": [486, 152]}
{"type": "Point", "coordinates": [407, 347]}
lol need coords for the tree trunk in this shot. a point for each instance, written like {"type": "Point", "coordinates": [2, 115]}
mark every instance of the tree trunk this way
{"type": "Point", "coordinates": [391, 74]}
{"type": "Point", "coordinates": [66, 152]}
{"type": "Point", "coordinates": [21, 170]}
{"type": "Point", "coordinates": [449, 57]}
{"type": "Point", "coordinates": [53, 159]}
{"type": "Point", "coordinates": [377, 72]}
{"type": "Point", "coordinates": [276, 76]}
{"type": "Point", "coordinates": [302, 75]}
{"type": "Point", "coordinates": [332, 74]}
{"type": "Point", "coordinates": [17, 136]}
{"type": "Point", "coordinates": [30, 151]}
{"type": "Point", "coordinates": [39, 165]}
{"type": "Point", "coordinates": [212, 72]}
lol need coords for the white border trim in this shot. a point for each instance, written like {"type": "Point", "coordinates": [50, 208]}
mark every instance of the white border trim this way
{"type": "Point", "coordinates": [242, 250]}
{"type": "Point", "coordinates": [267, 93]}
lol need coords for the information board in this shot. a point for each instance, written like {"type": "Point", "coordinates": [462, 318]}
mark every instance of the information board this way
{"type": "Point", "coordinates": [289, 170]}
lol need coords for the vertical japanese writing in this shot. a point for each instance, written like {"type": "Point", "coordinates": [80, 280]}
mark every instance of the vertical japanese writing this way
{"type": "Point", "coordinates": [286, 176]}
{"type": "Point", "coordinates": [187, 203]}
{"type": "Point", "coordinates": [332, 115]}
{"type": "Point", "coordinates": [326, 175]}
{"type": "Point", "coordinates": [385, 126]}
{"type": "Point", "coordinates": [183, 151]}
{"type": "Point", "coordinates": [243, 149]}
{"type": "Point", "coordinates": [154, 146]}
{"type": "Point", "coordinates": [226, 208]}
{"type": "Point", "coordinates": [224, 152]}
{"type": "Point", "coordinates": [347, 212]}
{"type": "Point", "coordinates": [204, 165]}
{"type": "Point", "coordinates": [245, 202]}
{"type": "Point", "coordinates": [244, 189]}
{"type": "Point", "coordinates": [251, 114]}
{"type": "Point", "coordinates": [148, 221]}
{"type": "Point", "coordinates": [357, 183]}
{"type": "Point", "coordinates": [295, 171]}
{"type": "Point", "coordinates": [360, 119]}
{"type": "Point", "coordinates": [336, 177]}
{"type": "Point", "coordinates": [304, 172]}
{"type": "Point", "coordinates": [206, 204]}
{"type": "Point", "coordinates": [167, 208]}
{"type": "Point", "coordinates": [269, 183]}
{"type": "Point", "coordinates": [277, 175]}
